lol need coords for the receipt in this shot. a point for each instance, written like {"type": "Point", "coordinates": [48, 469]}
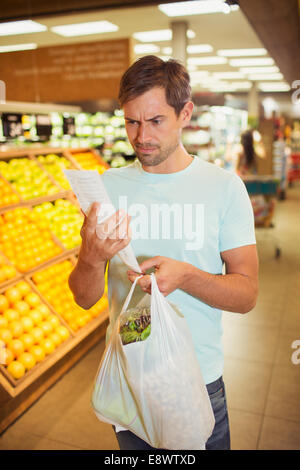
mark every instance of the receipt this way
{"type": "Point", "coordinates": [88, 188]}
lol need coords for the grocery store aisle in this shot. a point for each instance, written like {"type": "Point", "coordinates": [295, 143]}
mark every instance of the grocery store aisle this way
{"type": "Point", "coordinates": [263, 384]}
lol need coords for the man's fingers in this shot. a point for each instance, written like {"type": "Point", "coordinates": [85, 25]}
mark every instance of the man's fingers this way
{"type": "Point", "coordinates": [150, 263]}
{"type": "Point", "coordinates": [90, 221]}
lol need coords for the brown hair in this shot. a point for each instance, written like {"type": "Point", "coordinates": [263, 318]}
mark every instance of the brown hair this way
{"type": "Point", "coordinates": [151, 71]}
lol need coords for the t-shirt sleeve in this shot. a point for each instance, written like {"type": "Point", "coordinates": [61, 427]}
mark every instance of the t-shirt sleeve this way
{"type": "Point", "coordinates": [237, 221]}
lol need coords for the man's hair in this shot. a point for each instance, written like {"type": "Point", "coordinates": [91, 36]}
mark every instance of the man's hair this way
{"type": "Point", "coordinates": [151, 71]}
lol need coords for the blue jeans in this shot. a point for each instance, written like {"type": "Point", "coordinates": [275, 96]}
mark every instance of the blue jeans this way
{"type": "Point", "coordinates": [220, 438]}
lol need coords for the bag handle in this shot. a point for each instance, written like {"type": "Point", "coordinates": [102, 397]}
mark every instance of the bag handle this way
{"type": "Point", "coordinates": [128, 298]}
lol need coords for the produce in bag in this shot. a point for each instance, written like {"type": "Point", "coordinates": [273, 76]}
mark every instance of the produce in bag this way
{"type": "Point", "coordinates": [154, 387]}
{"type": "Point", "coordinates": [135, 325]}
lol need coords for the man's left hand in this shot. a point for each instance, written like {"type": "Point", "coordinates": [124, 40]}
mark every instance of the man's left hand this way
{"type": "Point", "coordinates": [170, 274]}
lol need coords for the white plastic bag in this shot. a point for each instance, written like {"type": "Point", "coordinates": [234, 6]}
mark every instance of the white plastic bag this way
{"type": "Point", "coordinates": [154, 388]}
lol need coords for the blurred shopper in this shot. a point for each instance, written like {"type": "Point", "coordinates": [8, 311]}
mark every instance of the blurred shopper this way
{"type": "Point", "coordinates": [251, 150]}
{"type": "Point", "coordinates": [156, 99]}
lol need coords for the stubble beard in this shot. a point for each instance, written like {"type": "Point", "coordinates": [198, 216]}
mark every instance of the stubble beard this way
{"type": "Point", "coordinates": [154, 160]}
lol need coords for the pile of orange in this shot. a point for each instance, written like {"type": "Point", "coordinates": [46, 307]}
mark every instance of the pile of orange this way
{"type": "Point", "coordinates": [28, 328]}
{"type": "Point", "coordinates": [25, 239]}
{"type": "Point", "coordinates": [7, 271]}
{"type": "Point", "coordinates": [89, 161]}
{"type": "Point", "coordinates": [52, 282]}
{"type": "Point", "coordinates": [7, 195]}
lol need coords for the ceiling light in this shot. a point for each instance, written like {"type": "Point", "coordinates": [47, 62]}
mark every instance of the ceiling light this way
{"type": "Point", "coordinates": [21, 27]}
{"type": "Point", "coordinates": [211, 60]}
{"type": "Point", "coordinates": [265, 76]}
{"type": "Point", "coordinates": [201, 7]}
{"type": "Point", "coordinates": [146, 49]}
{"type": "Point", "coordinates": [269, 86]}
{"type": "Point", "coordinates": [242, 52]}
{"type": "Point", "coordinates": [228, 75]}
{"type": "Point", "coordinates": [272, 69]}
{"type": "Point", "coordinates": [18, 47]}
{"type": "Point", "coordinates": [250, 62]}
{"type": "Point", "coordinates": [199, 48]}
{"type": "Point", "coordinates": [83, 29]}
{"type": "Point", "coordinates": [158, 35]}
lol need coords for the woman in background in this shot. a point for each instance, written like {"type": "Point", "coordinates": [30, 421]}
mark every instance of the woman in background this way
{"type": "Point", "coordinates": [251, 150]}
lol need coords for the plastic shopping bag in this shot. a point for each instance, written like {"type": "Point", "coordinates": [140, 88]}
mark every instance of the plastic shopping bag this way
{"type": "Point", "coordinates": [154, 388]}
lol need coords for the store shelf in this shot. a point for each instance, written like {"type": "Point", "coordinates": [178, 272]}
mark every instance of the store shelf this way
{"type": "Point", "coordinates": [17, 394]}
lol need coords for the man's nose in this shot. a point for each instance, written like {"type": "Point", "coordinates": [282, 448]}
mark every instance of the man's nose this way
{"type": "Point", "coordinates": [143, 135]}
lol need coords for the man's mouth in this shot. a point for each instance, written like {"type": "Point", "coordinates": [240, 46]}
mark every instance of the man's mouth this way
{"type": "Point", "coordinates": [145, 149]}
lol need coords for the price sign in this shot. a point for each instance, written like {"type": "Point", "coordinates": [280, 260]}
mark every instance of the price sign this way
{"type": "Point", "coordinates": [69, 126]}
{"type": "Point", "coordinates": [43, 125]}
{"type": "Point", "coordinates": [12, 125]}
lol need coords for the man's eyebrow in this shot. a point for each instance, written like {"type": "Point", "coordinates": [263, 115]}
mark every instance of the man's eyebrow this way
{"type": "Point", "coordinates": [159, 116]}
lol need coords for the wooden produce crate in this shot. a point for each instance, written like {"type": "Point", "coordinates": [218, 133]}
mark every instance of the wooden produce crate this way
{"type": "Point", "coordinates": [17, 395]}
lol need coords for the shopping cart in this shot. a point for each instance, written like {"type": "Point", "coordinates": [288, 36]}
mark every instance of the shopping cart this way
{"type": "Point", "coordinates": [263, 191]}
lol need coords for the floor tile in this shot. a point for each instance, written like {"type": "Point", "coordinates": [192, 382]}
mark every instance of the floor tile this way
{"type": "Point", "coordinates": [279, 434]}
{"type": "Point", "coordinates": [244, 429]}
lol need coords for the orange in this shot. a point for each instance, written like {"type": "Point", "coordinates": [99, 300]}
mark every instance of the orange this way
{"type": "Point", "coordinates": [32, 299]}
{"type": "Point", "coordinates": [38, 353]}
{"type": "Point", "coordinates": [27, 324]}
{"type": "Point", "coordinates": [11, 315]}
{"type": "Point", "coordinates": [63, 332]}
{"type": "Point", "coordinates": [9, 357]}
{"type": "Point", "coordinates": [47, 327]}
{"type": "Point", "coordinates": [53, 319]}
{"type": "Point", "coordinates": [36, 316]}
{"type": "Point", "coordinates": [10, 272]}
{"type": "Point", "coordinates": [37, 334]}
{"type": "Point", "coordinates": [45, 311]}
{"type": "Point", "coordinates": [48, 345]}
{"type": "Point", "coordinates": [4, 304]}
{"type": "Point", "coordinates": [16, 346]}
{"type": "Point", "coordinates": [21, 307]}
{"type": "Point", "coordinates": [27, 340]}
{"type": "Point", "coordinates": [3, 322]}
{"type": "Point", "coordinates": [16, 328]}
{"type": "Point", "coordinates": [23, 287]}
{"type": "Point", "coordinates": [55, 338]}
{"type": "Point", "coordinates": [13, 294]}
{"type": "Point", "coordinates": [5, 335]}
{"type": "Point", "coordinates": [28, 360]}
{"type": "Point", "coordinates": [16, 369]}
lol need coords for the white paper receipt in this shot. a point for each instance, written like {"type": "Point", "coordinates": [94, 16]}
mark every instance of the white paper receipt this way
{"type": "Point", "coordinates": [88, 188]}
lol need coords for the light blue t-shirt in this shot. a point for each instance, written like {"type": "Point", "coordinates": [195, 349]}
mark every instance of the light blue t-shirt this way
{"type": "Point", "coordinates": [192, 216]}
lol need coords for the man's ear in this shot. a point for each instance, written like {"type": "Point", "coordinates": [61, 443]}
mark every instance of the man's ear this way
{"type": "Point", "coordinates": [186, 113]}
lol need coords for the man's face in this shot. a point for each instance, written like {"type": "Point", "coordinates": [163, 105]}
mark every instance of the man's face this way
{"type": "Point", "coordinates": [152, 126]}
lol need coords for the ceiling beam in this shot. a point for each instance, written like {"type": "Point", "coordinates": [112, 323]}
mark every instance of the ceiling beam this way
{"type": "Point", "coordinates": [277, 24]}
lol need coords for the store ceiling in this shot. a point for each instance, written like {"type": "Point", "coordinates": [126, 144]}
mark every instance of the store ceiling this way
{"type": "Point", "coordinates": [221, 31]}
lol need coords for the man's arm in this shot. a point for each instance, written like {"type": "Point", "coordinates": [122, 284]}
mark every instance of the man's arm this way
{"type": "Point", "coordinates": [235, 291]}
{"type": "Point", "coordinates": [87, 281]}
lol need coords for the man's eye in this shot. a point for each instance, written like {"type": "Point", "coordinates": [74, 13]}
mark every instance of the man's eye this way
{"type": "Point", "coordinates": [156, 121]}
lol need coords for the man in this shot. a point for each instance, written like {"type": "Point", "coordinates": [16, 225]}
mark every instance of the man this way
{"type": "Point", "coordinates": [212, 227]}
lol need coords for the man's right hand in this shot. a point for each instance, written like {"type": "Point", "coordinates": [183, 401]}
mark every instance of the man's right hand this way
{"type": "Point", "coordinates": [101, 242]}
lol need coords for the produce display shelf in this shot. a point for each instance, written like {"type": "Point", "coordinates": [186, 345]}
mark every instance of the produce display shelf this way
{"type": "Point", "coordinates": [16, 395]}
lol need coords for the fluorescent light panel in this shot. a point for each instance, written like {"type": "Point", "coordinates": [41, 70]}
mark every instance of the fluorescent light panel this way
{"type": "Point", "coordinates": [21, 27]}
{"type": "Point", "coordinates": [146, 49]}
{"type": "Point", "coordinates": [265, 76]}
{"type": "Point", "coordinates": [251, 62]}
{"type": "Point", "coordinates": [280, 86]}
{"type": "Point", "coordinates": [18, 47]}
{"type": "Point", "coordinates": [228, 75]}
{"type": "Point", "coordinates": [241, 52]}
{"type": "Point", "coordinates": [210, 60]}
{"type": "Point", "coordinates": [83, 29]}
{"type": "Point", "coordinates": [158, 35]}
{"type": "Point", "coordinates": [201, 7]}
{"type": "Point", "coordinates": [199, 48]}
{"type": "Point", "coordinates": [271, 69]}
